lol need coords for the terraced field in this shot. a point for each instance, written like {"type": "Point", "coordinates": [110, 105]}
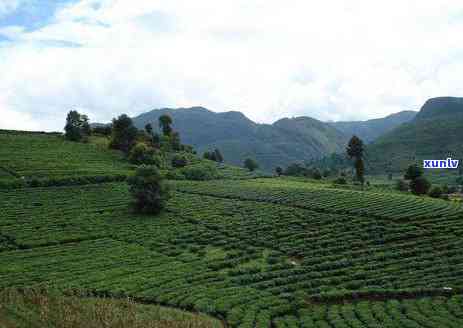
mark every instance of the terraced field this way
{"type": "Point", "coordinates": [42, 155]}
{"type": "Point", "coordinates": [257, 253]}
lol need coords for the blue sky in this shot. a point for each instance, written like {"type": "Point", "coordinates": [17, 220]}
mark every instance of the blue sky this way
{"type": "Point", "coordinates": [332, 60]}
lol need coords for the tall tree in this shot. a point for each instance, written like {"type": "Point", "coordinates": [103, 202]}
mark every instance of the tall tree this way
{"type": "Point", "coordinates": [77, 127]}
{"type": "Point", "coordinates": [124, 133]}
{"type": "Point", "coordinates": [413, 172]}
{"type": "Point", "coordinates": [355, 151]}
{"type": "Point", "coordinates": [218, 155]}
{"type": "Point", "coordinates": [175, 140]}
{"type": "Point", "coordinates": [149, 191]}
{"type": "Point", "coordinates": [250, 164]}
{"type": "Point", "coordinates": [165, 122]}
{"type": "Point", "coordinates": [149, 129]}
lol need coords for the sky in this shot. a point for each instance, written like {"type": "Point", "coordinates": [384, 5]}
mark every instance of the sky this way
{"type": "Point", "coordinates": [331, 60]}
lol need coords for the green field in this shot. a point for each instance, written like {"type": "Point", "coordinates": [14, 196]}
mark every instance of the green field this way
{"type": "Point", "coordinates": [242, 256]}
{"type": "Point", "coordinates": [39, 155]}
{"type": "Point", "coordinates": [255, 252]}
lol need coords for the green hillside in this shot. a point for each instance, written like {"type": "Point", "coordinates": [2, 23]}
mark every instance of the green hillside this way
{"type": "Point", "coordinates": [255, 252]}
{"type": "Point", "coordinates": [279, 144]}
{"type": "Point", "coordinates": [370, 130]}
{"type": "Point", "coordinates": [49, 155]}
{"type": "Point", "coordinates": [435, 133]}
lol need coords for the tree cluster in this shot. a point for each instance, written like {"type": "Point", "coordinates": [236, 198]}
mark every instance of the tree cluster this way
{"type": "Point", "coordinates": [419, 185]}
{"type": "Point", "coordinates": [77, 126]}
{"type": "Point", "coordinates": [215, 155]}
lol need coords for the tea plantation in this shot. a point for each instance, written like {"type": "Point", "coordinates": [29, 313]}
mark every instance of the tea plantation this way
{"type": "Point", "coordinates": [265, 252]}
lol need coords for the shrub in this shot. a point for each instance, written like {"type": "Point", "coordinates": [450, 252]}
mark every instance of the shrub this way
{"type": "Point", "coordinates": [413, 172]}
{"type": "Point", "coordinates": [278, 170]}
{"type": "Point", "coordinates": [175, 175]}
{"type": "Point", "coordinates": [401, 185]}
{"type": "Point", "coordinates": [142, 154]}
{"type": "Point", "coordinates": [316, 174]}
{"type": "Point", "coordinates": [420, 186]}
{"type": "Point", "coordinates": [149, 190]}
{"type": "Point", "coordinates": [179, 161]}
{"type": "Point", "coordinates": [341, 181]}
{"type": "Point", "coordinates": [250, 164]}
{"type": "Point", "coordinates": [435, 192]}
{"type": "Point", "coordinates": [200, 173]}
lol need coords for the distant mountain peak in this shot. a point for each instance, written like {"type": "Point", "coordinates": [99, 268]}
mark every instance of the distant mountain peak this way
{"type": "Point", "coordinates": [441, 106]}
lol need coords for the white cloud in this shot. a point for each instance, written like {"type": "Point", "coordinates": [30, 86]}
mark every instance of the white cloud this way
{"type": "Point", "coordinates": [330, 60]}
{"type": "Point", "coordinates": [9, 6]}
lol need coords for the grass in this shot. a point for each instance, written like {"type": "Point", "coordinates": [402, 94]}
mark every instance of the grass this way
{"type": "Point", "coordinates": [36, 308]}
{"type": "Point", "coordinates": [258, 252]}
{"type": "Point", "coordinates": [51, 156]}
{"type": "Point", "coordinates": [230, 251]}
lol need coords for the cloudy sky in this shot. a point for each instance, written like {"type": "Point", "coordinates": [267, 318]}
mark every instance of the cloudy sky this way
{"type": "Point", "coordinates": [331, 59]}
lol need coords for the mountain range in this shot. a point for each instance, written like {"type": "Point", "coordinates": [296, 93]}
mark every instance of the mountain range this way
{"type": "Point", "coordinates": [436, 132]}
{"type": "Point", "coordinates": [286, 141]}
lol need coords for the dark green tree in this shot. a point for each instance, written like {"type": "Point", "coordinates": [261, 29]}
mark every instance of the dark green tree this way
{"type": "Point", "coordinates": [315, 174]}
{"type": "Point", "coordinates": [175, 141]}
{"type": "Point", "coordinates": [142, 154]}
{"type": "Point", "coordinates": [420, 186]}
{"type": "Point", "coordinates": [77, 127]}
{"type": "Point", "coordinates": [148, 189]}
{"type": "Point", "coordinates": [250, 164]}
{"type": "Point", "coordinates": [436, 192]}
{"type": "Point", "coordinates": [165, 122]}
{"type": "Point", "coordinates": [413, 172]}
{"type": "Point", "coordinates": [124, 133]}
{"type": "Point", "coordinates": [355, 151]}
{"type": "Point", "coordinates": [179, 161]}
{"type": "Point", "coordinates": [278, 170]}
{"type": "Point", "coordinates": [207, 155]}
{"type": "Point", "coordinates": [218, 155]}
{"type": "Point", "coordinates": [149, 129]}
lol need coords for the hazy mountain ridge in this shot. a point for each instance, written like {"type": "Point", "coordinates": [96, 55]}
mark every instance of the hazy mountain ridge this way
{"type": "Point", "coordinates": [436, 132]}
{"type": "Point", "coordinates": [286, 141]}
{"type": "Point", "coordinates": [370, 130]}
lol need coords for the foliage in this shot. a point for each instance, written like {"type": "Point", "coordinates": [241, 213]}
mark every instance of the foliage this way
{"type": "Point", "coordinates": [51, 308]}
{"type": "Point", "coordinates": [413, 172]}
{"type": "Point", "coordinates": [104, 130]}
{"type": "Point", "coordinates": [340, 180]}
{"type": "Point", "coordinates": [175, 141]}
{"type": "Point", "coordinates": [200, 172]}
{"type": "Point", "coordinates": [148, 189]}
{"type": "Point", "coordinates": [124, 133]}
{"type": "Point", "coordinates": [435, 192]}
{"type": "Point", "coordinates": [179, 161]}
{"type": "Point", "coordinates": [218, 155]}
{"type": "Point", "coordinates": [77, 127]}
{"type": "Point", "coordinates": [278, 170]}
{"type": "Point", "coordinates": [296, 169]}
{"type": "Point", "coordinates": [401, 185]}
{"type": "Point", "coordinates": [165, 122]}
{"type": "Point", "coordinates": [250, 164]}
{"type": "Point", "coordinates": [420, 186]}
{"type": "Point", "coordinates": [142, 154]}
{"type": "Point", "coordinates": [149, 129]}
{"type": "Point", "coordinates": [315, 174]}
{"type": "Point", "coordinates": [355, 150]}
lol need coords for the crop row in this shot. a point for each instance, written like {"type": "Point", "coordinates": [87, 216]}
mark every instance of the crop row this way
{"type": "Point", "coordinates": [250, 261]}
{"type": "Point", "coordinates": [321, 198]}
{"type": "Point", "coordinates": [46, 156]}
